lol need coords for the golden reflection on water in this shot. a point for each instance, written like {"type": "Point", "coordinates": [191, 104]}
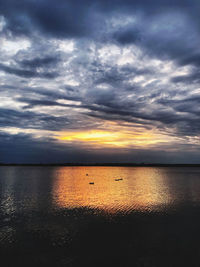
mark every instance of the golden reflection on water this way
{"type": "Point", "coordinates": [140, 189]}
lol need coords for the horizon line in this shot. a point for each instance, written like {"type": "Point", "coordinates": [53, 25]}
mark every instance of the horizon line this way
{"type": "Point", "coordinates": [127, 164]}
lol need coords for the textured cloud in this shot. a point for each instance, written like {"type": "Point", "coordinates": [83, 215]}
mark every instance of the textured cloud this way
{"type": "Point", "coordinates": [27, 73]}
{"type": "Point", "coordinates": [126, 66]}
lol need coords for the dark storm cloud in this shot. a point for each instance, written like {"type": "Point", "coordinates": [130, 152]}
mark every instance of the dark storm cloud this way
{"type": "Point", "coordinates": [46, 16]}
{"type": "Point", "coordinates": [27, 119]}
{"type": "Point", "coordinates": [193, 77]}
{"type": "Point", "coordinates": [186, 105]}
{"type": "Point", "coordinates": [174, 36]}
{"type": "Point", "coordinates": [39, 62]}
{"type": "Point", "coordinates": [18, 72]}
{"type": "Point", "coordinates": [42, 96]}
{"type": "Point", "coordinates": [182, 115]}
{"type": "Point", "coordinates": [187, 120]}
{"type": "Point", "coordinates": [127, 70]}
{"type": "Point", "coordinates": [134, 114]}
{"type": "Point", "coordinates": [167, 37]}
{"type": "Point", "coordinates": [61, 20]}
{"type": "Point", "coordinates": [85, 80]}
{"type": "Point", "coordinates": [35, 102]}
{"type": "Point", "coordinates": [45, 97]}
{"type": "Point", "coordinates": [27, 73]}
{"type": "Point", "coordinates": [116, 75]}
{"type": "Point", "coordinates": [193, 59]}
{"type": "Point", "coordinates": [24, 148]}
{"type": "Point", "coordinates": [127, 36]}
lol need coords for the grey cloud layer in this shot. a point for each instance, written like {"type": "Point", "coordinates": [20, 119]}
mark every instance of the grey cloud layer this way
{"type": "Point", "coordinates": [88, 62]}
{"type": "Point", "coordinates": [160, 27]}
{"type": "Point", "coordinates": [20, 148]}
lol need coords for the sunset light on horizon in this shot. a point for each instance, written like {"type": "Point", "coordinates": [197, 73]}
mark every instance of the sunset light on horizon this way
{"type": "Point", "coordinates": [123, 139]}
{"type": "Point", "coordinates": [121, 79]}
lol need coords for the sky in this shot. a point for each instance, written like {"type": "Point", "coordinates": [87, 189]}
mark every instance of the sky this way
{"type": "Point", "coordinates": [88, 81]}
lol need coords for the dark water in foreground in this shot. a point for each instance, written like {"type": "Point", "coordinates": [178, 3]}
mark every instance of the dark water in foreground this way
{"type": "Point", "coordinates": [53, 216]}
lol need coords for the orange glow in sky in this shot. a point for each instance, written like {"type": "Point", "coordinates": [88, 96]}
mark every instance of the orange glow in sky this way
{"type": "Point", "coordinates": [113, 138]}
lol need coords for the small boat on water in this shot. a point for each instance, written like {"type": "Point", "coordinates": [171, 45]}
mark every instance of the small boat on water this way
{"type": "Point", "coordinates": [91, 183]}
{"type": "Point", "coordinates": [120, 179]}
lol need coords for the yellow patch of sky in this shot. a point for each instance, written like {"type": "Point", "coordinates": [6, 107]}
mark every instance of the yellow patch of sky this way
{"type": "Point", "coordinates": [113, 138]}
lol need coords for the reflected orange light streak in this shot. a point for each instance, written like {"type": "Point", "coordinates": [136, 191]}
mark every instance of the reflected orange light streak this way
{"type": "Point", "coordinates": [140, 189]}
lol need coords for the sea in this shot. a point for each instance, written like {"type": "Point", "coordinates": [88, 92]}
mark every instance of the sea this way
{"type": "Point", "coordinates": [99, 216]}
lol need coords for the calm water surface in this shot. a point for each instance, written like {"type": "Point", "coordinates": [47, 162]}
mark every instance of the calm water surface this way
{"type": "Point", "coordinates": [142, 217]}
{"type": "Point", "coordinates": [142, 189]}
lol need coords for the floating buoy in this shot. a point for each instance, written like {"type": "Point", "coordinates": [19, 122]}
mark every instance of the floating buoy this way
{"type": "Point", "coordinates": [86, 174]}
